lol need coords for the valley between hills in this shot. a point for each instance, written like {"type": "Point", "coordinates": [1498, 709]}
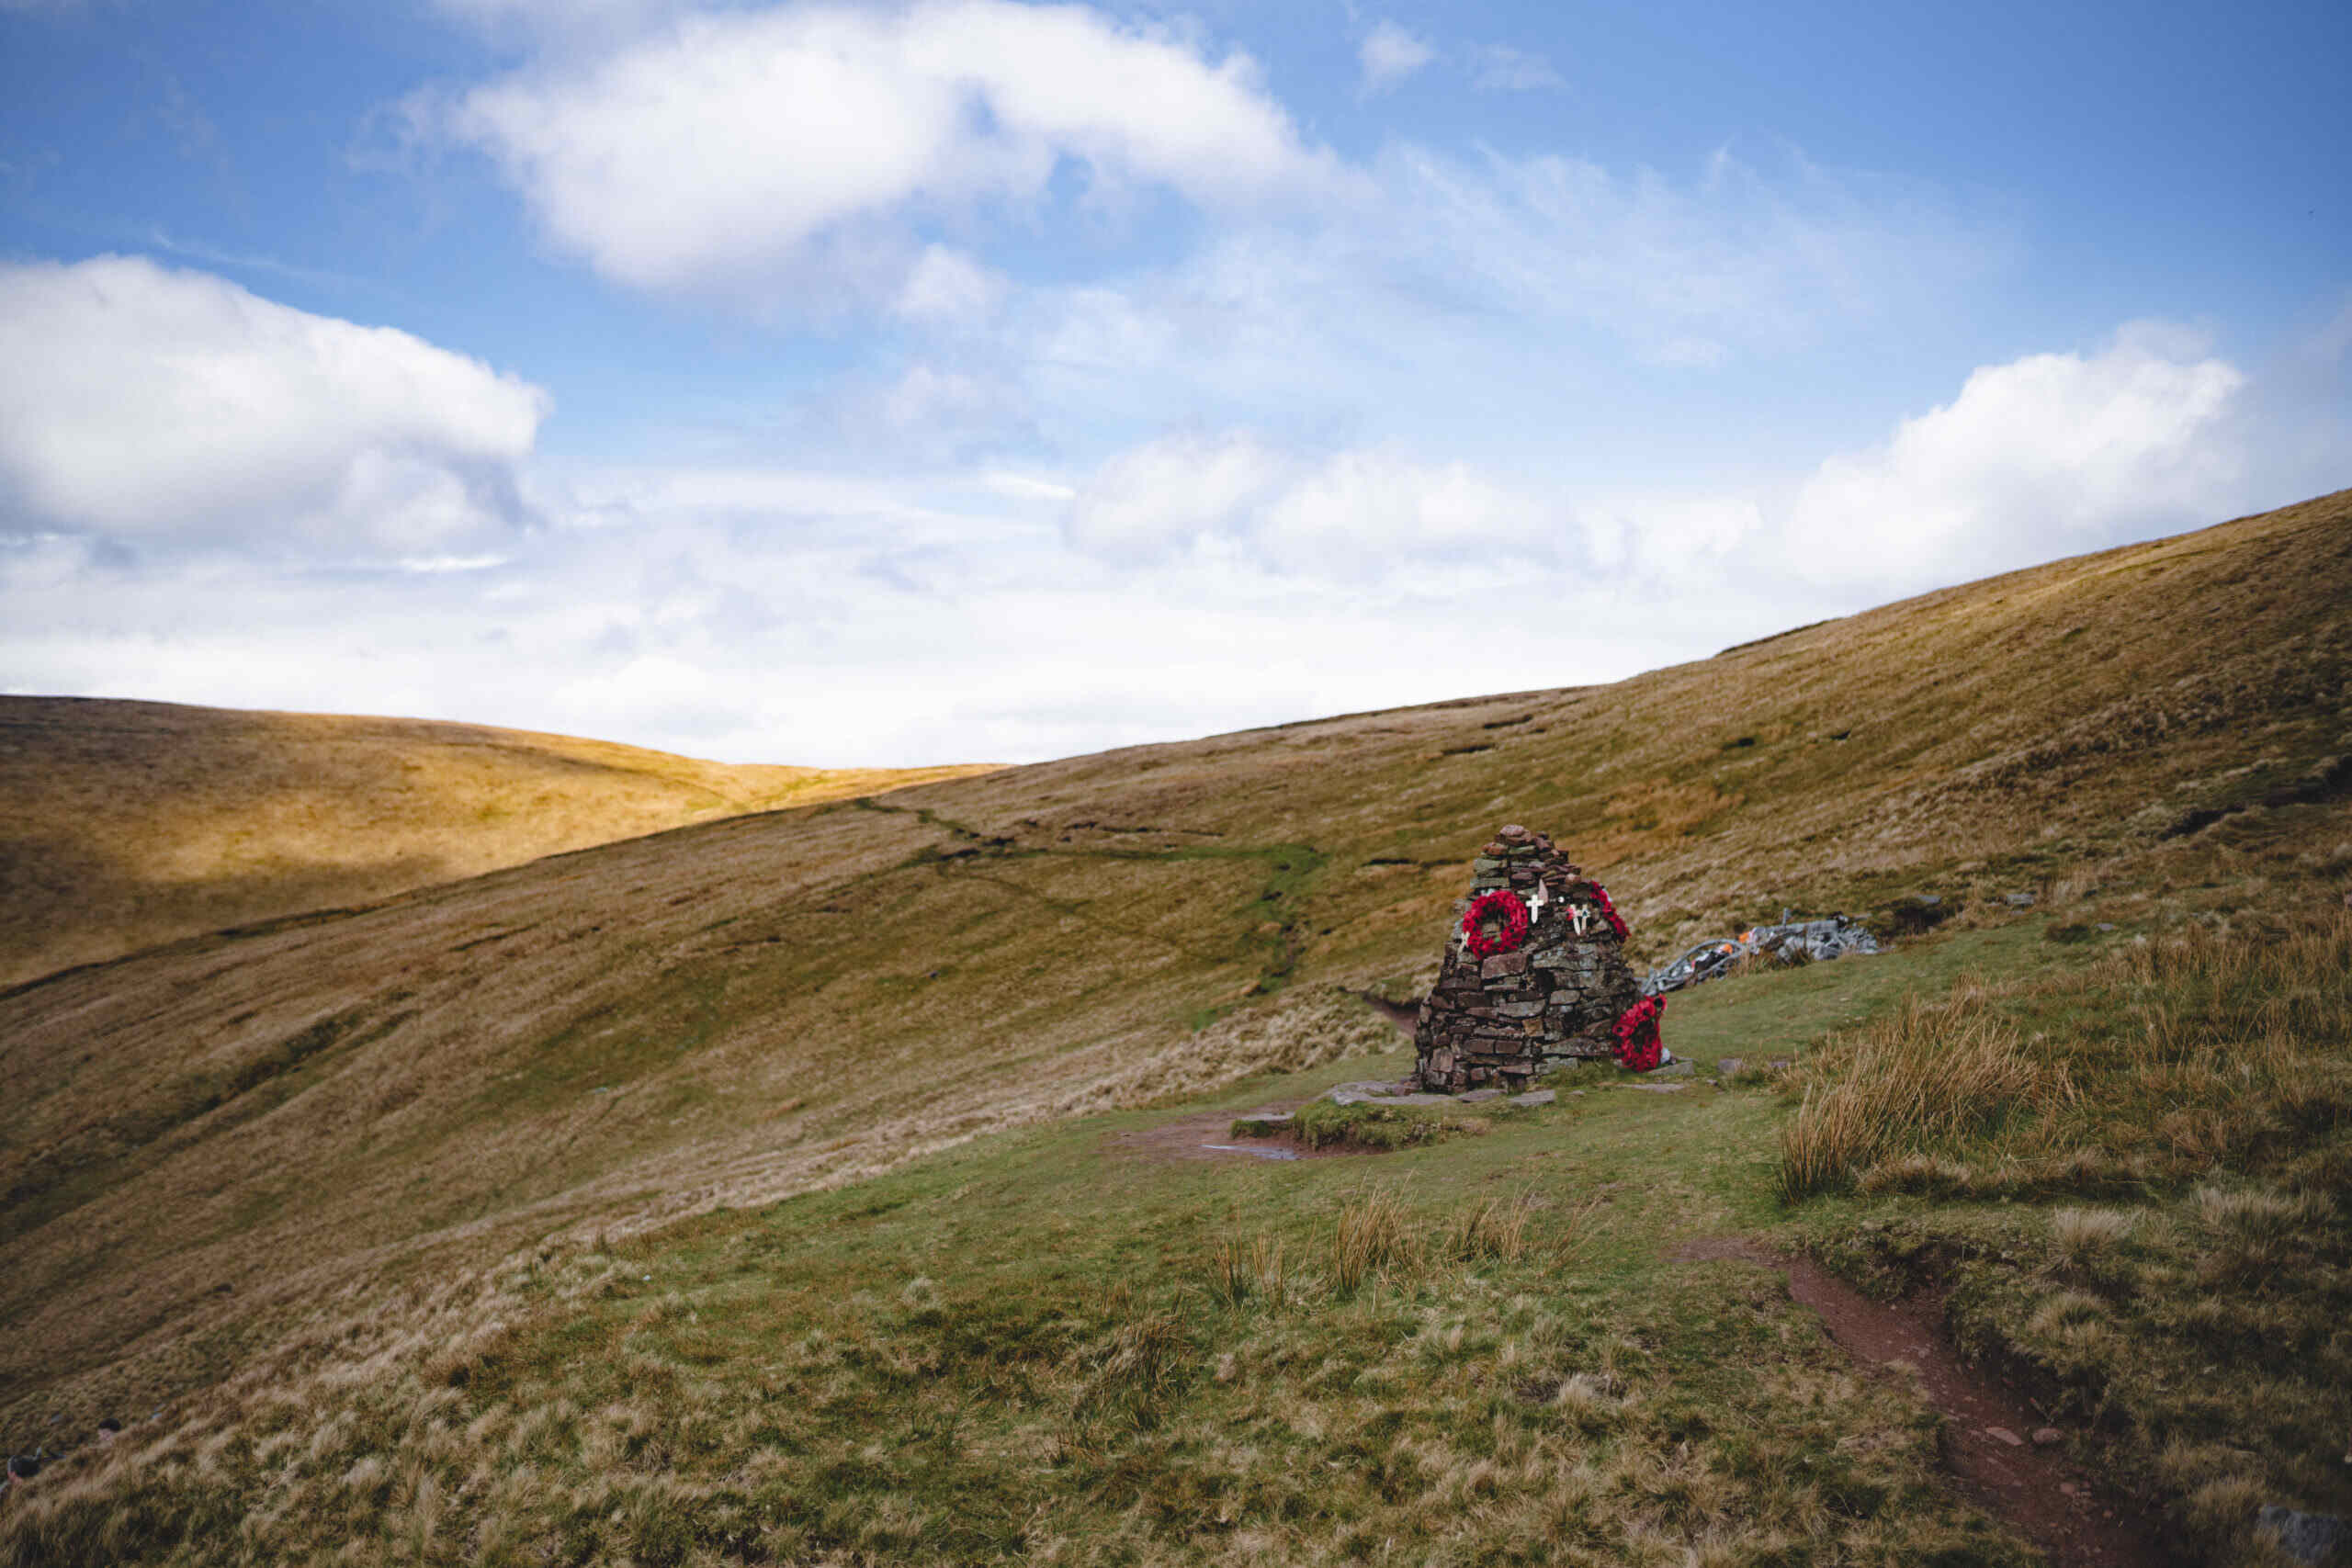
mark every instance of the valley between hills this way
{"type": "Point", "coordinates": [132, 824]}
{"type": "Point", "coordinates": [765, 1188]}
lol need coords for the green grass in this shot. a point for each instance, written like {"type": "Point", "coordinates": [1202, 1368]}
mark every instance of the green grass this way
{"type": "Point", "coordinates": [1020, 1349]}
{"type": "Point", "coordinates": [1469, 1349]}
{"type": "Point", "coordinates": [2151, 1228]}
{"type": "Point", "coordinates": [1776, 1012]}
{"type": "Point", "coordinates": [1322, 1124]}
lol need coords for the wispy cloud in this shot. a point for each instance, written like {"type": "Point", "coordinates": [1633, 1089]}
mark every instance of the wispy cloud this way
{"type": "Point", "coordinates": [1500, 68]}
{"type": "Point", "coordinates": [157, 238]}
{"type": "Point", "coordinates": [1387, 55]}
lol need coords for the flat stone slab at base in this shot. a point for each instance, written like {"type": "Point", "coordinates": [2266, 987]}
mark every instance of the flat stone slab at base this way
{"type": "Point", "coordinates": [1402, 1094]}
{"type": "Point", "coordinates": [1382, 1094]}
{"type": "Point", "coordinates": [1551, 1065]}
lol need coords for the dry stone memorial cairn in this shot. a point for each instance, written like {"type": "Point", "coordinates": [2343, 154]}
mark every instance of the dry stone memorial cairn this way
{"type": "Point", "coordinates": [1535, 973]}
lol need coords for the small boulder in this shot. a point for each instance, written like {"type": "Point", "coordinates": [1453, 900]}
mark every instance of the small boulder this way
{"type": "Point", "coordinates": [2313, 1539]}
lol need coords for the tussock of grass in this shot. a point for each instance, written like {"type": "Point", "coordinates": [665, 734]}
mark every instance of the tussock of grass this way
{"type": "Point", "coordinates": [1491, 1227]}
{"type": "Point", "coordinates": [2203, 1049]}
{"type": "Point", "coordinates": [1373, 1233]}
{"type": "Point", "coordinates": [2080, 1238]}
{"type": "Point", "coordinates": [1932, 1074]}
{"type": "Point", "coordinates": [1241, 1270]}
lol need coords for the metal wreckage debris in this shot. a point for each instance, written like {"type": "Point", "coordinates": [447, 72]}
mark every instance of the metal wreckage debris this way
{"type": "Point", "coordinates": [1790, 942]}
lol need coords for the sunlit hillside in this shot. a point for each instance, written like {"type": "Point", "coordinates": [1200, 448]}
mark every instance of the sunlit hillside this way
{"type": "Point", "coordinates": [211, 1145]}
{"type": "Point", "coordinates": [129, 824]}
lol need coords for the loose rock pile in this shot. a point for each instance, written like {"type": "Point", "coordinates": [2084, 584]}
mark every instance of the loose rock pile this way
{"type": "Point", "coordinates": [1792, 942]}
{"type": "Point", "coordinates": [1497, 1021]}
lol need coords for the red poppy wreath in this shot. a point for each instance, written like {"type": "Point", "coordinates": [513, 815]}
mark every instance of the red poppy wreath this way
{"type": "Point", "coordinates": [1638, 1047]}
{"type": "Point", "coordinates": [1607, 910]}
{"type": "Point", "coordinates": [1498, 904]}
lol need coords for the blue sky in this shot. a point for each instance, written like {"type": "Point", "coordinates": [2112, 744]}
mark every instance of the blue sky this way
{"type": "Point", "coordinates": [873, 384]}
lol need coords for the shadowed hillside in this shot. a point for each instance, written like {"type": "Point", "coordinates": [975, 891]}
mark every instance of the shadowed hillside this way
{"type": "Point", "coordinates": [200, 1142]}
{"type": "Point", "coordinates": [129, 824]}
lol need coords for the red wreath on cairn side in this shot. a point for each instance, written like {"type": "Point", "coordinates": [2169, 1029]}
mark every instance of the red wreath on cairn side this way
{"type": "Point", "coordinates": [1607, 910]}
{"type": "Point", "coordinates": [1500, 904]}
{"type": "Point", "coordinates": [1638, 1047]}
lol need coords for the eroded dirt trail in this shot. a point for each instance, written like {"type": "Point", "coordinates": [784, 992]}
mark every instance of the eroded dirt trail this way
{"type": "Point", "coordinates": [1989, 1445]}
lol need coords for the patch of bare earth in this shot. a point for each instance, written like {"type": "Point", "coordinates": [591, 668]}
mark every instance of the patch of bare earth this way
{"type": "Point", "coordinates": [1989, 1441]}
{"type": "Point", "coordinates": [1208, 1135]}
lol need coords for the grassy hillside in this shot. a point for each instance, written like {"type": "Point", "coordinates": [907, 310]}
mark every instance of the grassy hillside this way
{"type": "Point", "coordinates": [131, 824]}
{"type": "Point", "coordinates": [315, 1137]}
{"type": "Point", "coordinates": [1514, 1345]}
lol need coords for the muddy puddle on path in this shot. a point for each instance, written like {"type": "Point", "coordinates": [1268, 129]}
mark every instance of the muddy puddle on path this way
{"type": "Point", "coordinates": [1989, 1442]}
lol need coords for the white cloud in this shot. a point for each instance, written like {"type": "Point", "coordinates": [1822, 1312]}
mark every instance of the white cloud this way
{"type": "Point", "coordinates": [680, 696]}
{"type": "Point", "coordinates": [1158, 496]}
{"type": "Point", "coordinates": [1502, 68]}
{"type": "Point", "coordinates": [1389, 54]}
{"type": "Point", "coordinates": [883, 631]}
{"type": "Point", "coordinates": [1352, 515]}
{"type": "Point", "coordinates": [151, 404]}
{"type": "Point", "coordinates": [946, 287]}
{"type": "Point", "coordinates": [927, 396]}
{"type": "Point", "coordinates": [1192, 584]}
{"type": "Point", "coordinates": [1669, 539]}
{"type": "Point", "coordinates": [2043, 456]}
{"type": "Point", "coordinates": [724, 147]}
{"type": "Point", "coordinates": [1025, 487]}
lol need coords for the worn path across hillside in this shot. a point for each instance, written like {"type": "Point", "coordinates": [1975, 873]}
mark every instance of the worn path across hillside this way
{"type": "Point", "coordinates": [2079, 1522]}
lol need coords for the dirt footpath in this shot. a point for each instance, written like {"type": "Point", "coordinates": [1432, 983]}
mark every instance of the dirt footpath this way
{"type": "Point", "coordinates": [1989, 1443]}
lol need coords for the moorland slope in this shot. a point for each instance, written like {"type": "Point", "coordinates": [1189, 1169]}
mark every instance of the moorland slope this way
{"type": "Point", "coordinates": [203, 1143]}
{"type": "Point", "coordinates": [131, 823]}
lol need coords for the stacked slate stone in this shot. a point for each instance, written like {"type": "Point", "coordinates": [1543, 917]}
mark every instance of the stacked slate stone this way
{"type": "Point", "coordinates": [1497, 1021]}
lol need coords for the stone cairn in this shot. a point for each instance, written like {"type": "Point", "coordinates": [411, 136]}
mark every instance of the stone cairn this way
{"type": "Point", "coordinates": [1558, 995]}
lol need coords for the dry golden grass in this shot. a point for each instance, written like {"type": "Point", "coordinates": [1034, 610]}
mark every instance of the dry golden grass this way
{"type": "Point", "coordinates": [202, 1143]}
{"type": "Point", "coordinates": [1935, 1072]}
{"type": "Point", "coordinates": [1492, 1227]}
{"type": "Point", "coordinates": [1373, 1233]}
{"type": "Point", "coordinates": [2202, 1049]}
{"type": "Point", "coordinates": [136, 823]}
